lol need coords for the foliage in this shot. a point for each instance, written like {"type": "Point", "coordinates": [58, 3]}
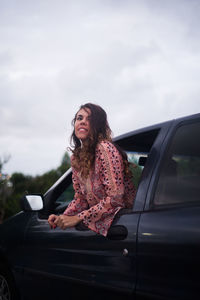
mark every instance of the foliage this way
{"type": "Point", "coordinates": [5, 188]}
{"type": "Point", "coordinates": [21, 184]}
{"type": "Point", "coordinates": [134, 167]}
{"type": "Point", "coordinates": [136, 173]}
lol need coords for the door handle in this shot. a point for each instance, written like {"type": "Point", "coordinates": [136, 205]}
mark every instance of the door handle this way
{"type": "Point", "coordinates": [117, 232]}
{"type": "Point", "coordinates": [125, 252]}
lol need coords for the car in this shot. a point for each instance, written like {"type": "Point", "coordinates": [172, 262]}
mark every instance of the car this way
{"type": "Point", "coordinates": [151, 250]}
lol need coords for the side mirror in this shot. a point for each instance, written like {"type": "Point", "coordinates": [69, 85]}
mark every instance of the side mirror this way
{"type": "Point", "coordinates": [32, 203]}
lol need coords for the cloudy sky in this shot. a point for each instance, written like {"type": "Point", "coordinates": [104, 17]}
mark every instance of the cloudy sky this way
{"type": "Point", "coordinates": [139, 60]}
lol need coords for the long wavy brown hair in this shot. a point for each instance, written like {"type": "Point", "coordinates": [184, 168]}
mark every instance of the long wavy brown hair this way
{"type": "Point", "coordinates": [84, 154]}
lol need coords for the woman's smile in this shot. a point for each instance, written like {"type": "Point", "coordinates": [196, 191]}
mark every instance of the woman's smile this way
{"type": "Point", "coordinates": [82, 124]}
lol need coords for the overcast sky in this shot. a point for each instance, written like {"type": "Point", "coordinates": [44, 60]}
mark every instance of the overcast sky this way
{"type": "Point", "coordinates": [139, 60]}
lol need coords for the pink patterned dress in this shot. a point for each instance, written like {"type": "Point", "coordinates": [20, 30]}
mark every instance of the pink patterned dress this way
{"type": "Point", "coordinates": [105, 191]}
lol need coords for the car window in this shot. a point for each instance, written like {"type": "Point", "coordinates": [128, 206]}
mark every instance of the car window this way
{"type": "Point", "coordinates": [179, 180]}
{"type": "Point", "coordinates": [67, 196]}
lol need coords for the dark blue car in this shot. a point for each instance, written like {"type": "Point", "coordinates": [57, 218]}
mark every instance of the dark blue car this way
{"type": "Point", "coordinates": [151, 251]}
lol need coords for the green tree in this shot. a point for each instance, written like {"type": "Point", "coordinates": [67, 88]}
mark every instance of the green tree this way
{"type": "Point", "coordinates": [22, 184]}
{"type": "Point", "coordinates": [5, 187]}
{"type": "Point", "coordinates": [65, 164]}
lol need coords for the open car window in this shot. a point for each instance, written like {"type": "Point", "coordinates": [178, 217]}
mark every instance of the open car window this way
{"type": "Point", "coordinates": [137, 147]}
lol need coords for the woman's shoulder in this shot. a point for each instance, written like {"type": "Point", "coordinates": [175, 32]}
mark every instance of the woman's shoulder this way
{"type": "Point", "coordinates": [106, 146]}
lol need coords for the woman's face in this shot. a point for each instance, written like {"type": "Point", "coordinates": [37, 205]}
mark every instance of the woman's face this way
{"type": "Point", "coordinates": [82, 124]}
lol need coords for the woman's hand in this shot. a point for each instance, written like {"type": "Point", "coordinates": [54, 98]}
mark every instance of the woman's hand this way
{"type": "Point", "coordinates": [64, 221]}
{"type": "Point", "coordinates": [52, 219]}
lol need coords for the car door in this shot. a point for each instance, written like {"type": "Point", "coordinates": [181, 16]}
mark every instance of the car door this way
{"type": "Point", "coordinates": [80, 256]}
{"type": "Point", "coordinates": [169, 228]}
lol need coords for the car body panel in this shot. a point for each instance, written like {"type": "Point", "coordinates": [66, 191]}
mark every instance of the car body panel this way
{"type": "Point", "coordinates": [168, 252]}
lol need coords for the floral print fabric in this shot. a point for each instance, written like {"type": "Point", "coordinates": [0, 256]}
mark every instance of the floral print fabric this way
{"type": "Point", "coordinates": [106, 190]}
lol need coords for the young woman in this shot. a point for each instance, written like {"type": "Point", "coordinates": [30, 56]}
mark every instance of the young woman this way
{"type": "Point", "coordinates": [100, 172]}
